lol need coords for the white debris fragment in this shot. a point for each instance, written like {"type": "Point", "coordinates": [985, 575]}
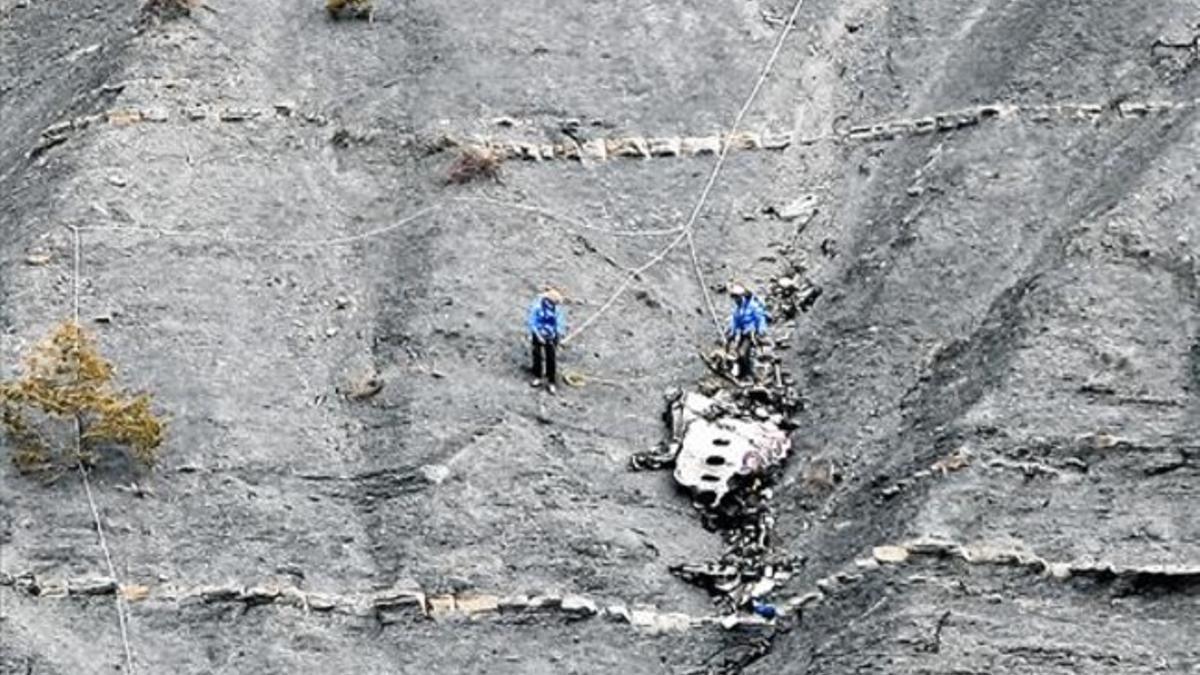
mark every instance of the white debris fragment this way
{"type": "Point", "coordinates": [717, 447]}
{"type": "Point", "coordinates": [579, 605]}
{"type": "Point", "coordinates": [803, 205]}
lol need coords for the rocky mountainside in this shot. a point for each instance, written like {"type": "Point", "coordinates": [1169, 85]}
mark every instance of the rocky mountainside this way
{"type": "Point", "coordinates": [996, 465]}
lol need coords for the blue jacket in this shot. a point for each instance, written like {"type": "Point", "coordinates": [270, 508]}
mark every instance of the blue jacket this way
{"type": "Point", "coordinates": [749, 317]}
{"type": "Point", "coordinates": [546, 319]}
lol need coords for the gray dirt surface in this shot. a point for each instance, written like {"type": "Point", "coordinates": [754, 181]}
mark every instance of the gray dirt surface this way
{"type": "Point", "coordinates": [277, 230]}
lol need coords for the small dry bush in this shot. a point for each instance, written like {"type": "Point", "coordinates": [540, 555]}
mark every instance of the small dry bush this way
{"type": "Point", "coordinates": [474, 163]}
{"type": "Point", "coordinates": [66, 389]}
{"type": "Point", "coordinates": [356, 9]}
{"type": "Point", "coordinates": [168, 10]}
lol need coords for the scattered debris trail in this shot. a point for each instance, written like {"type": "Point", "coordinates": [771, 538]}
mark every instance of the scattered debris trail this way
{"type": "Point", "coordinates": [728, 442]}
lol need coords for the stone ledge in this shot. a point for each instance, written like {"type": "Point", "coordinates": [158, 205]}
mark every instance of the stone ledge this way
{"type": "Point", "coordinates": [400, 598]}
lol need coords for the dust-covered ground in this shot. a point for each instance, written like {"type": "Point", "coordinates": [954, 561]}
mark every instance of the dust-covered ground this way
{"type": "Point", "coordinates": [264, 226]}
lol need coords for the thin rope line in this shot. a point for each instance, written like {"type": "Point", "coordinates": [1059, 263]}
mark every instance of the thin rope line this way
{"type": "Point", "coordinates": [532, 208]}
{"type": "Point", "coordinates": [712, 308]}
{"type": "Point", "coordinates": [284, 243]}
{"type": "Point", "coordinates": [75, 272]}
{"type": "Point", "coordinates": [87, 487]}
{"type": "Point", "coordinates": [87, 484]}
{"type": "Point", "coordinates": [629, 279]}
{"type": "Point", "coordinates": [603, 255]}
{"type": "Point", "coordinates": [335, 241]}
{"type": "Point", "coordinates": [688, 228]}
{"type": "Point", "coordinates": [712, 178]}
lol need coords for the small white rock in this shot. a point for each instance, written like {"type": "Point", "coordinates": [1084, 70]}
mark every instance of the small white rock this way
{"type": "Point", "coordinates": [435, 473]}
{"type": "Point", "coordinates": [578, 604]}
{"type": "Point", "coordinates": [890, 554]}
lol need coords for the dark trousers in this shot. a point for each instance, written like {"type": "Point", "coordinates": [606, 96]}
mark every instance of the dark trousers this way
{"type": "Point", "coordinates": [545, 354]}
{"type": "Point", "coordinates": [744, 348]}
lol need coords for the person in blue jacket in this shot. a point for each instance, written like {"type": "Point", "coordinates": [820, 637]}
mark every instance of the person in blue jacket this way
{"type": "Point", "coordinates": [747, 325]}
{"type": "Point", "coordinates": [547, 324]}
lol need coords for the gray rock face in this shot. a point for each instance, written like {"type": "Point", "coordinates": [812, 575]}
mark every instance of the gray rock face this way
{"type": "Point", "coordinates": [1003, 366]}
